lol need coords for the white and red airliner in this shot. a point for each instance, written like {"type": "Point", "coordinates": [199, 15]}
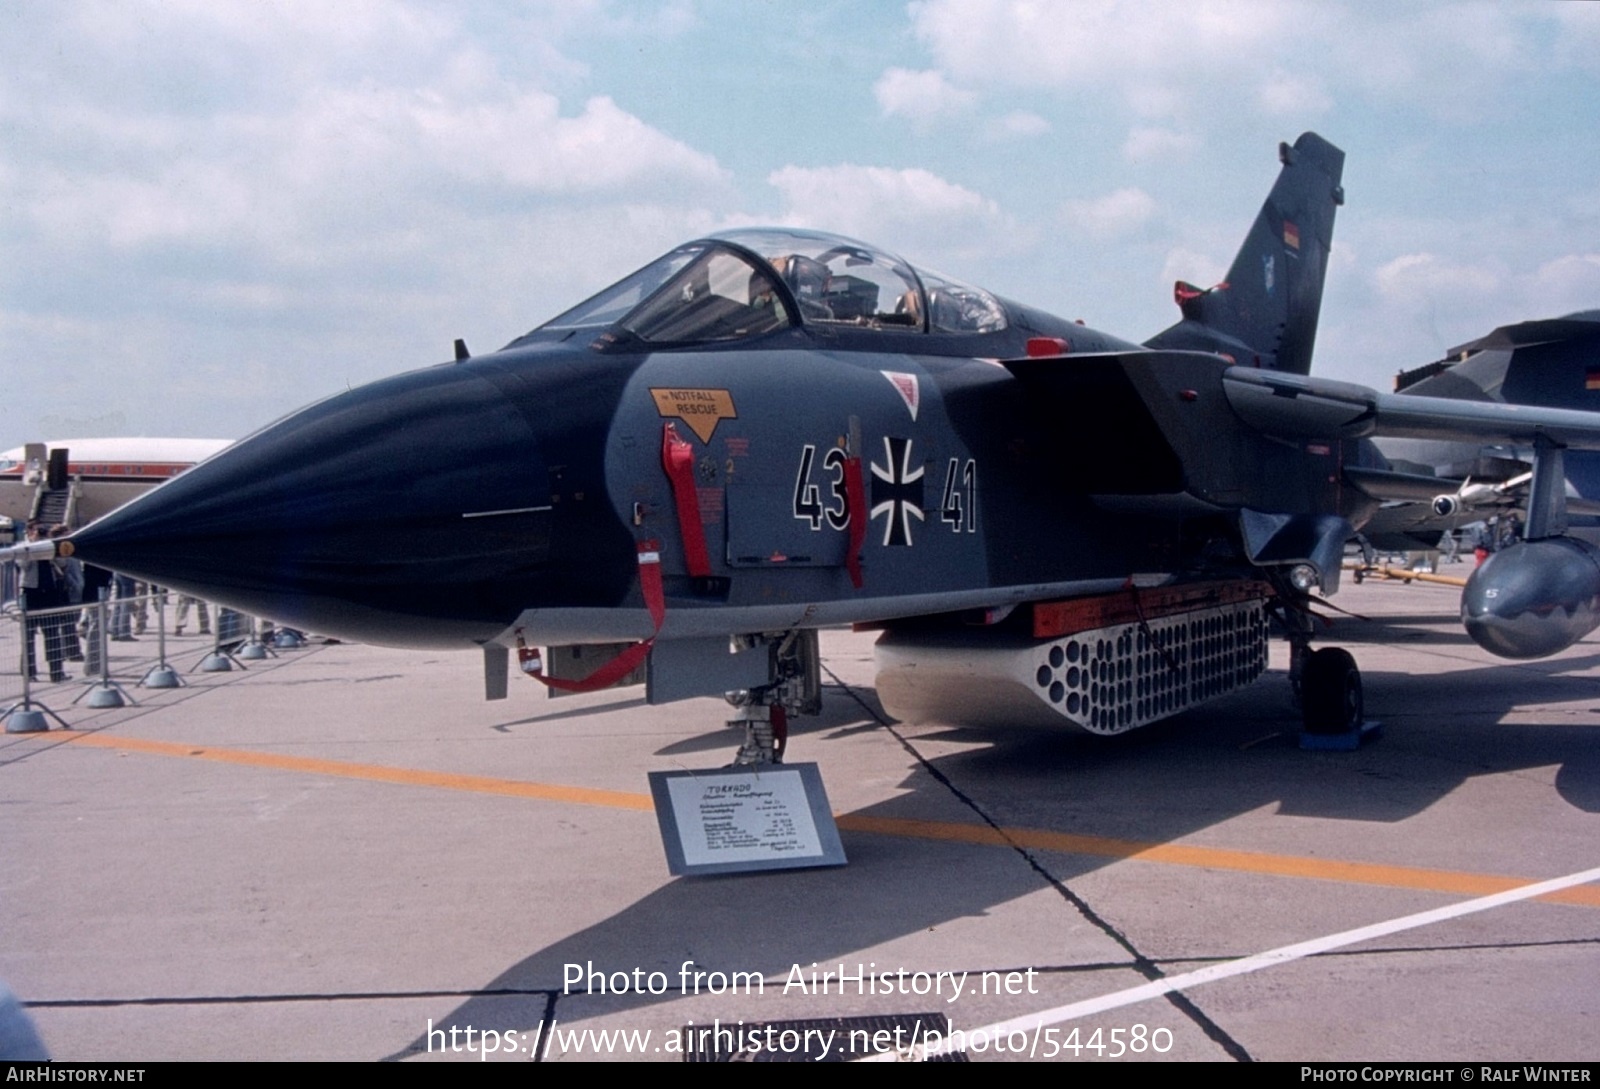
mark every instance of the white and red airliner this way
{"type": "Point", "coordinates": [108, 472]}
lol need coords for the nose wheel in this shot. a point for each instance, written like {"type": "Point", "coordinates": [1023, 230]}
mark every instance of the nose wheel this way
{"type": "Point", "coordinates": [1332, 704]}
{"type": "Point", "coordinates": [1327, 687]}
{"type": "Point", "coordinates": [1330, 691]}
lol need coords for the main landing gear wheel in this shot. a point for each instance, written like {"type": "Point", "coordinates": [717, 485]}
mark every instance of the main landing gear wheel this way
{"type": "Point", "coordinates": [1330, 690]}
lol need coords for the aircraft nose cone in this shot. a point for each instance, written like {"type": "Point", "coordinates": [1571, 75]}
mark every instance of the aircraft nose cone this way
{"type": "Point", "coordinates": [400, 512]}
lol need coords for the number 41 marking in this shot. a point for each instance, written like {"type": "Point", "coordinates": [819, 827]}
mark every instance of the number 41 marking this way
{"type": "Point", "coordinates": [959, 505]}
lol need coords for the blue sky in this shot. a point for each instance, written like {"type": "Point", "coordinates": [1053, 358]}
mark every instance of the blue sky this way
{"type": "Point", "coordinates": [215, 212]}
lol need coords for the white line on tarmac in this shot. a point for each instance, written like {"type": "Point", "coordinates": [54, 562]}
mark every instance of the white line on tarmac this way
{"type": "Point", "coordinates": [1029, 1023]}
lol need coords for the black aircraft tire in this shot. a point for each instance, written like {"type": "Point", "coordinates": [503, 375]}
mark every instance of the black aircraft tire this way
{"type": "Point", "coordinates": [1331, 692]}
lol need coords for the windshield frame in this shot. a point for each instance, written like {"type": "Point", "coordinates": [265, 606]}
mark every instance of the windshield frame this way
{"type": "Point", "coordinates": [812, 280]}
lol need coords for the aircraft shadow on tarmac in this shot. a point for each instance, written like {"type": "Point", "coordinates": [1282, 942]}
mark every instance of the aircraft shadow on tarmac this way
{"type": "Point", "coordinates": [1154, 785]}
{"type": "Point", "coordinates": [1423, 628]}
{"type": "Point", "coordinates": [579, 711]}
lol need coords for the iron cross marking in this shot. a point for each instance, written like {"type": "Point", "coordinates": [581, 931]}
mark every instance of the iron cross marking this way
{"type": "Point", "coordinates": [897, 491]}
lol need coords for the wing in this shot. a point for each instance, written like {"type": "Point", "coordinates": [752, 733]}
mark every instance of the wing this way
{"type": "Point", "coordinates": [1292, 406]}
{"type": "Point", "coordinates": [1272, 447]}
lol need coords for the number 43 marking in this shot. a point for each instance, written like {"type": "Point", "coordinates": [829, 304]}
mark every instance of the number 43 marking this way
{"type": "Point", "coordinates": [808, 506]}
{"type": "Point", "coordinates": [958, 507]}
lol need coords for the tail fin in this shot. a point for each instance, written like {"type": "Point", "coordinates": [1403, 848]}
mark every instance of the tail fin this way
{"type": "Point", "coordinates": [1265, 313]}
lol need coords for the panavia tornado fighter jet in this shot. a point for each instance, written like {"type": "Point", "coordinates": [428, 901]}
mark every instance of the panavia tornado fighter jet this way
{"type": "Point", "coordinates": [766, 432]}
{"type": "Point", "coordinates": [1552, 362]}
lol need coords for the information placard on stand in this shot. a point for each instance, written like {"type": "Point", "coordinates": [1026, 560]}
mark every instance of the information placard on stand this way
{"type": "Point", "coordinates": [743, 819]}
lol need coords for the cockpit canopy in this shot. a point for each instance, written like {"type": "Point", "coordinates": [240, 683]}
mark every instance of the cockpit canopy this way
{"type": "Point", "coordinates": [747, 283]}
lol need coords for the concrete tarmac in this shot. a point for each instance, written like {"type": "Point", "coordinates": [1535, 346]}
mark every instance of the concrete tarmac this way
{"type": "Point", "coordinates": [345, 853]}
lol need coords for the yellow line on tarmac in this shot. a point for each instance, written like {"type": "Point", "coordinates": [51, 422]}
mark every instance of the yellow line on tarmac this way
{"type": "Point", "coordinates": [377, 773]}
{"type": "Point", "coordinates": [1173, 854]}
{"type": "Point", "coordinates": [1215, 858]}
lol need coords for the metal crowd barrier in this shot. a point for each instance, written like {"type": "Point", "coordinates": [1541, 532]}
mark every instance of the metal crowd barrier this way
{"type": "Point", "coordinates": [51, 659]}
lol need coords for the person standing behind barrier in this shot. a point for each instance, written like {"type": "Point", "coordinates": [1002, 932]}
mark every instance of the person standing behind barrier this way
{"type": "Point", "coordinates": [96, 586]}
{"type": "Point", "coordinates": [204, 611]}
{"type": "Point", "coordinates": [43, 586]}
{"type": "Point", "coordinates": [122, 617]}
{"type": "Point", "coordinates": [8, 569]}
{"type": "Point", "coordinates": [141, 609]}
{"type": "Point", "coordinates": [71, 571]}
{"type": "Point", "coordinates": [61, 630]}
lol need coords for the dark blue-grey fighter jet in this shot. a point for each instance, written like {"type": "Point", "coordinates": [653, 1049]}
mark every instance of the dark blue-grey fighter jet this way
{"type": "Point", "coordinates": [765, 432]}
{"type": "Point", "coordinates": [1553, 362]}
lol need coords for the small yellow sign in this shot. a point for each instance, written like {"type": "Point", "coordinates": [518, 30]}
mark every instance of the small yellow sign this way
{"type": "Point", "coordinates": [699, 408]}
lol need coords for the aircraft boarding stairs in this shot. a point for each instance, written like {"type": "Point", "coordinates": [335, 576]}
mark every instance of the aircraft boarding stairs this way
{"type": "Point", "coordinates": [55, 497]}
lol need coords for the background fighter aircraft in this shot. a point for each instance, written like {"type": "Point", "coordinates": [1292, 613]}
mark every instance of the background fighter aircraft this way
{"type": "Point", "coordinates": [1554, 362]}
{"type": "Point", "coordinates": [769, 431]}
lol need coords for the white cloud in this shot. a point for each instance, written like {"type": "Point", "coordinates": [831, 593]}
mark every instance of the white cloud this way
{"type": "Point", "coordinates": [1199, 269]}
{"type": "Point", "coordinates": [305, 197]}
{"type": "Point", "coordinates": [1403, 288]}
{"type": "Point", "coordinates": [1148, 144]}
{"type": "Point", "coordinates": [1425, 278]}
{"type": "Point", "coordinates": [524, 142]}
{"type": "Point", "coordinates": [1293, 95]}
{"type": "Point", "coordinates": [1018, 125]}
{"type": "Point", "coordinates": [920, 96]}
{"type": "Point", "coordinates": [1053, 45]}
{"type": "Point", "coordinates": [913, 211]}
{"type": "Point", "coordinates": [859, 195]}
{"type": "Point", "coordinates": [1563, 285]}
{"type": "Point", "coordinates": [1186, 59]}
{"type": "Point", "coordinates": [1579, 39]}
{"type": "Point", "coordinates": [314, 154]}
{"type": "Point", "coordinates": [1113, 214]}
{"type": "Point", "coordinates": [1420, 304]}
{"type": "Point", "coordinates": [1463, 63]}
{"type": "Point", "coordinates": [348, 184]}
{"type": "Point", "coordinates": [1147, 49]}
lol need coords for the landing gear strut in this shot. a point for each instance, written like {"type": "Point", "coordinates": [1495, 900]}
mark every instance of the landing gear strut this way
{"type": "Point", "coordinates": [766, 728]}
{"type": "Point", "coordinates": [1298, 629]}
{"type": "Point", "coordinates": [763, 714]}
